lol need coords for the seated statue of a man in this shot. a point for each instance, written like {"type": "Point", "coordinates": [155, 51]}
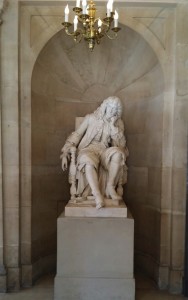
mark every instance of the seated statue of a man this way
{"type": "Point", "coordinates": [100, 151]}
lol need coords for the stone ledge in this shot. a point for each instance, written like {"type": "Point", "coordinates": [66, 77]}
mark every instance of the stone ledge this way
{"type": "Point", "coordinates": [89, 210]}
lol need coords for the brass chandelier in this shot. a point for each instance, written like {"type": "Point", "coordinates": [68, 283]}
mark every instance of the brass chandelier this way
{"type": "Point", "coordinates": [92, 29]}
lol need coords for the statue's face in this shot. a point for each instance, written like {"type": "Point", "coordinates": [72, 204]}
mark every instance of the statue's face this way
{"type": "Point", "coordinates": [111, 111]}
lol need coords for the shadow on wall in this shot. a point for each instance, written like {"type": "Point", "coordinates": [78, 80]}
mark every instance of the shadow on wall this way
{"type": "Point", "coordinates": [68, 82]}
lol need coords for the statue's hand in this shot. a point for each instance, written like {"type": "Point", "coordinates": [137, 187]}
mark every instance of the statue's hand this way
{"type": "Point", "coordinates": [113, 120]}
{"type": "Point", "coordinates": [114, 128]}
{"type": "Point", "coordinates": [64, 163]}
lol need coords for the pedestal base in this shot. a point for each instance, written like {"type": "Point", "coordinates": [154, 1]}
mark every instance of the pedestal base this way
{"type": "Point", "coordinates": [95, 258]}
{"type": "Point", "coordinates": [94, 289]}
{"type": "Point", "coordinates": [87, 209]}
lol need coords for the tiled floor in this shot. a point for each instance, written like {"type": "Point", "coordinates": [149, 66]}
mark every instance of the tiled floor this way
{"type": "Point", "coordinates": [43, 290]}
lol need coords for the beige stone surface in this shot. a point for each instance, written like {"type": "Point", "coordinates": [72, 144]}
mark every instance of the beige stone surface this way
{"type": "Point", "coordinates": [13, 282]}
{"type": "Point", "coordinates": [166, 186]}
{"type": "Point", "coordinates": [64, 87]}
{"type": "Point", "coordinates": [178, 242]}
{"type": "Point", "coordinates": [165, 242]}
{"type": "Point", "coordinates": [147, 67]}
{"type": "Point", "coordinates": [102, 252]}
{"type": "Point", "coordinates": [26, 275]}
{"type": "Point", "coordinates": [84, 210]}
{"type": "Point", "coordinates": [175, 281]}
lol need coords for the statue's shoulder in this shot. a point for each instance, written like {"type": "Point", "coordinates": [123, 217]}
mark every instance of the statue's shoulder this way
{"type": "Point", "coordinates": [90, 117]}
{"type": "Point", "coordinates": [86, 118]}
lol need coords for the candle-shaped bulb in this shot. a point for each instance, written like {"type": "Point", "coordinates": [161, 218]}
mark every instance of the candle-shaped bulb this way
{"type": "Point", "coordinates": [77, 3]}
{"type": "Point", "coordinates": [67, 9]}
{"type": "Point", "coordinates": [84, 4]}
{"type": "Point", "coordinates": [108, 8]}
{"type": "Point", "coordinates": [87, 7]}
{"type": "Point", "coordinates": [67, 13]}
{"type": "Point", "coordinates": [99, 24]}
{"type": "Point", "coordinates": [116, 19]}
{"type": "Point", "coordinates": [75, 23]}
{"type": "Point", "coordinates": [111, 5]}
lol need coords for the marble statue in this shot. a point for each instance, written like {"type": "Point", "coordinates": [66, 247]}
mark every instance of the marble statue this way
{"type": "Point", "coordinates": [97, 153]}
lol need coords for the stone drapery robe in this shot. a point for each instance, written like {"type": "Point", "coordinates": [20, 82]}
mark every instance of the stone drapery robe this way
{"type": "Point", "coordinates": [96, 141]}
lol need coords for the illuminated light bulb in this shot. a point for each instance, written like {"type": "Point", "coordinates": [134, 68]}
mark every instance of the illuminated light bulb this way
{"type": "Point", "coordinates": [77, 3]}
{"type": "Point", "coordinates": [75, 23]}
{"type": "Point", "coordinates": [99, 24]}
{"type": "Point", "coordinates": [116, 16]}
{"type": "Point", "coordinates": [67, 13]}
{"type": "Point", "coordinates": [111, 5]}
{"type": "Point", "coordinates": [108, 8]}
{"type": "Point", "coordinates": [84, 4]}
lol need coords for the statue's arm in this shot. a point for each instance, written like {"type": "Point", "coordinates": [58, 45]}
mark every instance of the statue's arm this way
{"type": "Point", "coordinates": [72, 141]}
{"type": "Point", "coordinates": [118, 136]}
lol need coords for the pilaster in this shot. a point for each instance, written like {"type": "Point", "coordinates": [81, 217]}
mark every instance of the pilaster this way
{"type": "Point", "coordinates": [10, 144]}
{"type": "Point", "coordinates": [179, 171]}
{"type": "Point", "coordinates": [3, 277]}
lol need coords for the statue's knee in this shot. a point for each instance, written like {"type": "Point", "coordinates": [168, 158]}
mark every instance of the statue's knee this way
{"type": "Point", "coordinates": [117, 157]}
{"type": "Point", "coordinates": [89, 167]}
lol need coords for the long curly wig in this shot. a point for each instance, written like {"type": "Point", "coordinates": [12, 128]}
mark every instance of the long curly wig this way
{"type": "Point", "coordinates": [110, 101]}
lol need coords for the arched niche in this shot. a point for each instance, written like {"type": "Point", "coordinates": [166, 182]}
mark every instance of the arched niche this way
{"type": "Point", "coordinates": [69, 81]}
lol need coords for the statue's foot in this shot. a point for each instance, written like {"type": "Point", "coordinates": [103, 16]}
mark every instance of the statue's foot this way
{"type": "Point", "coordinates": [111, 192]}
{"type": "Point", "coordinates": [99, 201]}
{"type": "Point", "coordinates": [100, 205]}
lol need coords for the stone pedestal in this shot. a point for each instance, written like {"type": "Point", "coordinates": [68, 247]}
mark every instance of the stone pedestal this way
{"type": "Point", "coordinates": [95, 258]}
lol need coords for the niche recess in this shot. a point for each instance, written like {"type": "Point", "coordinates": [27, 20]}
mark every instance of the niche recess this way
{"type": "Point", "coordinates": [69, 81]}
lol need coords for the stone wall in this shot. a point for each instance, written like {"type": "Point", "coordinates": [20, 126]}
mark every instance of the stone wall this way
{"type": "Point", "coordinates": [148, 71]}
{"type": "Point", "coordinates": [180, 143]}
{"type": "Point", "coordinates": [69, 81]}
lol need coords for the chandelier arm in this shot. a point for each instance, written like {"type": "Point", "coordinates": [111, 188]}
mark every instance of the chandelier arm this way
{"type": "Point", "coordinates": [111, 37]}
{"type": "Point", "coordinates": [69, 33]}
{"type": "Point", "coordinates": [107, 24]}
{"type": "Point", "coordinates": [80, 31]}
{"type": "Point", "coordinates": [77, 35]}
{"type": "Point", "coordinates": [78, 38]}
{"type": "Point", "coordinates": [97, 19]}
{"type": "Point", "coordinates": [81, 19]}
{"type": "Point", "coordinates": [107, 21]}
{"type": "Point", "coordinates": [84, 19]}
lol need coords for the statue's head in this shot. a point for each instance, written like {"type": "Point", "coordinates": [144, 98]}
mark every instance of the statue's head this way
{"type": "Point", "coordinates": [110, 107]}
